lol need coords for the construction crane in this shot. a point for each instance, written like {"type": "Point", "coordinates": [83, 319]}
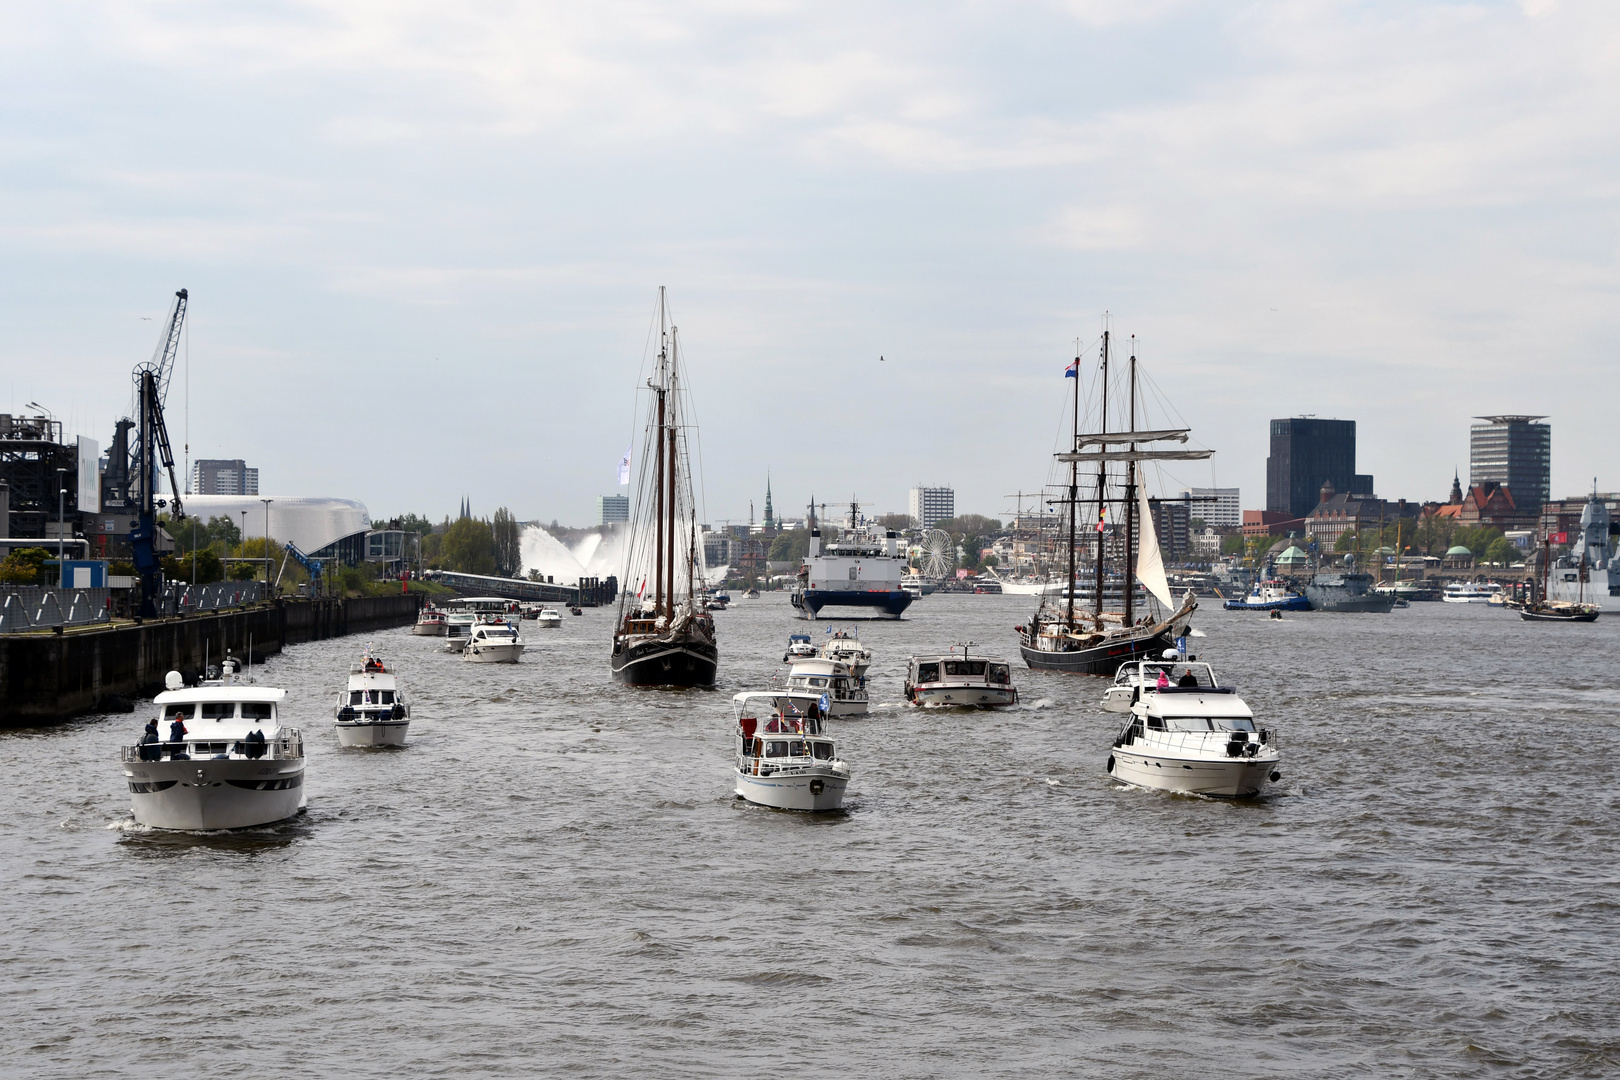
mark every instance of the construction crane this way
{"type": "Point", "coordinates": [150, 451]}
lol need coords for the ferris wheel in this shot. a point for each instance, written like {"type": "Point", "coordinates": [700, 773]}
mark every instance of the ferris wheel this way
{"type": "Point", "coordinates": [938, 554]}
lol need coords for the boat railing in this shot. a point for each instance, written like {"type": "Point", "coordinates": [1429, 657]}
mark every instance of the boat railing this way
{"type": "Point", "coordinates": [286, 748]}
{"type": "Point", "coordinates": [1206, 741]}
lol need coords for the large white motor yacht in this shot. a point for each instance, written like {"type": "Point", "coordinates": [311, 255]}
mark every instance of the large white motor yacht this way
{"type": "Point", "coordinates": [230, 764]}
{"type": "Point", "coordinates": [845, 694]}
{"type": "Point", "coordinates": [785, 758]}
{"type": "Point", "coordinates": [372, 710]}
{"type": "Point", "coordinates": [549, 617]}
{"type": "Point", "coordinates": [493, 643]}
{"type": "Point", "coordinates": [1193, 736]}
{"type": "Point", "coordinates": [845, 647]}
{"type": "Point", "coordinates": [957, 679]}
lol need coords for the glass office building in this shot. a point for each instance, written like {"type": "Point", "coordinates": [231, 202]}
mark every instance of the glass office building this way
{"type": "Point", "coordinates": [1516, 452]}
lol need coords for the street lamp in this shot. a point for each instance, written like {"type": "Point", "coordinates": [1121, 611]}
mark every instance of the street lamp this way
{"type": "Point", "coordinates": [267, 503]}
{"type": "Point", "coordinates": [61, 492]}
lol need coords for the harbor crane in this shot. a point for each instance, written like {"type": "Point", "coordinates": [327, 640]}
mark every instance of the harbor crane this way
{"type": "Point", "coordinates": [150, 451]}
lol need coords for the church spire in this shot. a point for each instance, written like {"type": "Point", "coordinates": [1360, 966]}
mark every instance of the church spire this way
{"type": "Point", "coordinates": [1456, 487]}
{"type": "Point", "coordinates": [769, 520]}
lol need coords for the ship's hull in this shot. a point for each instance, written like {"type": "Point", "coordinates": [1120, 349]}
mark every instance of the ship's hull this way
{"type": "Point", "coordinates": [664, 661]}
{"type": "Point", "coordinates": [812, 789]}
{"type": "Point", "coordinates": [428, 629]}
{"type": "Point", "coordinates": [1102, 659]}
{"type": "Point", "coordinates": [1534, 615]}
{"type": "Point", "coordinates": [492, 653]}
{"type": "Point", "coordinates": [987, 696]}
{"type": "Point", "coordinates": [1292, 603]}
{"type": "Point", "coordinates": [1328, 599]}
{"type": "Point", "coordinates": [1603, 588]}
{"type": "Point", "coordinates": [372, 732]}
{"type": "Point", "coordinates": [888, 604]}
{"type": "Point", "coordinates": [209, 793]}
{"type": "Point", "coordinates": [1231, 778]}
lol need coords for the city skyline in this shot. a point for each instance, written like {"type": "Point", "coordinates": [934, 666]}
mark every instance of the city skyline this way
{"type": "Point", "coordinates": [460, 219]}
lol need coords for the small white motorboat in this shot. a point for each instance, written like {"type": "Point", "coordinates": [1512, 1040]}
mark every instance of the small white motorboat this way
{"type": "Point", "coordinates": [493, 643]}
{"type": "Point", "coordinates": [549, 617]}
{"type": "Point", "coordinates": [458, 628]}
{"type": "Point", "coordinates": [799, 648]}
{"type": "Point", "coordinates": [845, 647]}
{"type": "Point", "coordinates": [222, 760]}
{"type": "Point", "coordinates": [1197, 740]}
{"type": "Point", "coordinates": [372, 710]}
{"type": "Point", "coordinates": [429, 623]}
{"type": "Point", "coordinates": [1174, 672]}
{"type": "Point", "coordinates": [784, 756]}
{"type": "Point", "coordinates": [957, 679]}
{"type": "Point", "coordinates": [843, 693]}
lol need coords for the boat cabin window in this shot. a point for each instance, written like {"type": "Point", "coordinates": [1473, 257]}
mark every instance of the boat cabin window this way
{"type": "Point", "coordinates": [187, 710]}
{"type": "Point", "coordinates": [1155, 723]}
{"type": "Point", "coordinates": [1000, 673]}
{"type": "Point", "coordinates": [776, 748]}
{"type": "Point", "coordinates": [798, 749]}
{"type": "Point", "coordinates": [256, 710]}
{"type": "Point", "coordinates": [823, 750]}
{"type": "Point", "coordinates": [964, 667]}
{"type": "Point", "coordinates": [928, 673]}
{"type": "Point", "coordinates": [1233, 723]}
{"type": "Point", "coordinates": [218, 710]}
{"type": "Point", "coordinates": [1188, 723]}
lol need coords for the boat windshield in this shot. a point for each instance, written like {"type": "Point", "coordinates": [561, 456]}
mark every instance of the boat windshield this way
{"type": "Point", "coordinates": [1207, 723]}
{"type": "Point", "coordinates": [964, 667]}
{"type": "Point", "coordinates": [927, 672]}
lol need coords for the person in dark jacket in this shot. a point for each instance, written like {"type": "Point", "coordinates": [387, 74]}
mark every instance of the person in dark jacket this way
{"type": "Point", "coordinates": [177, 737]}
{"type": "Point", "coordinates": [149, 741]}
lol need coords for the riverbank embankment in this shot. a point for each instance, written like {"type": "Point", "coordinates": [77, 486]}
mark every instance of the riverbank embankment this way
{"type": "Point", "coordinates": [48, 677]}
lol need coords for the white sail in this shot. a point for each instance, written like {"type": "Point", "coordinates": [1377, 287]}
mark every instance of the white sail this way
{"type": "Point", "coordinates": [1149, 565]}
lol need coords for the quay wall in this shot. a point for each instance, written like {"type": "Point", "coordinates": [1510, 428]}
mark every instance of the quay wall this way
{"type": "Point", "coordinates": [48, 677]}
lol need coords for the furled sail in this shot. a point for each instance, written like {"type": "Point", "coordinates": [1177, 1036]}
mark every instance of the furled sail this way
{"type": "Point", "coordinates": [1149, 565]}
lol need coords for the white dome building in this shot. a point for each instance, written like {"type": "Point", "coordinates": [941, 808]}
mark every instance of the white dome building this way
{"type": "Point", "coordinates": [322, 528]}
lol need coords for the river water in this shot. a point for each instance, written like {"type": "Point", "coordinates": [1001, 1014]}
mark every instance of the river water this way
{"type": "Point", "coordinates": [554, 877]}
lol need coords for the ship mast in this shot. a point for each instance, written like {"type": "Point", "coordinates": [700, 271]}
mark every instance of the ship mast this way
{"type": "Point", "coordinates": [669, 604]}
{"type": "Point", "coordinates": [1074, 490]}
{"type": "Point", "coordinates": [658, 475]}
{"type": "Point", "coordinates": [1130, 494]}
{"type": "Point", "coordinates": [1102, 485]}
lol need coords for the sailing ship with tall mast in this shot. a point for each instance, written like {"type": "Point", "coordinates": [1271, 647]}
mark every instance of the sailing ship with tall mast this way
{"type": "Point", "coordinates": [1062, 636]}
{"type": "Point", "coordinates": [665, 634]}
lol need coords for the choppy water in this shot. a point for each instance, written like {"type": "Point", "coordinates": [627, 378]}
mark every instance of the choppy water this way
{"type": "Point", "coordinates": [554, 877]}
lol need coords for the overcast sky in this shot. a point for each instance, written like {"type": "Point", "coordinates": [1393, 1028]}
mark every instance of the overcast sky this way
{"type": "Point", "coordinates": [423, 240]}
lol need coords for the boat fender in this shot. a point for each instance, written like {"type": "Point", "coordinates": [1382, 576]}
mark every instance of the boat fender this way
{"type": "Point", "coordinates": [1276, 775]}
{"type": "Point", "coordinates": [1110, 762]}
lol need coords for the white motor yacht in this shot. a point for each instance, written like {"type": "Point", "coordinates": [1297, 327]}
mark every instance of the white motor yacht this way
{"type": "Point", "coordinates": [218, 757]}
{"type": "Point", "coordinates": [957, 679]}
{"type": "Point", "coordinates": [1196, 739]}
{"type": "Point", "coordinates": [458, 628]}
{"type": "Point", "coordinates": [798, 648]}
{"type": "Point", "coordinates": [493, 643]}
{"type": "Point", "coordinates": [1174, 670]}
{"type": "Point", "coordinates": [845, 694]}
{"type": "Point", "coordinates": [429, 623]}
{"type": "Point", "coordinates": [1468, 592]}
{"type": "Point", "coordinates": [784, 756]}
{"type": "Point", "coordinates": [372, 711]}
{"type": "Point", "coordinates": [845, 647]}
{"type": "Point", "coordinates": [549, 617]}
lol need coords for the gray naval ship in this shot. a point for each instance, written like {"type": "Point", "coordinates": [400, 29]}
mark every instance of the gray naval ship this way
{"type": "Point", "coordinates": [1346, 590]}
{"type": "Point", "coordinates": [1588, 572]}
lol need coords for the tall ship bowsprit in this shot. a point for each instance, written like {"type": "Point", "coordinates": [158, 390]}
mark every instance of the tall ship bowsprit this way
{"type": "Point", "coordinates": [1063, 635]}
{"type": "Point", "coordinates": [665, 635]}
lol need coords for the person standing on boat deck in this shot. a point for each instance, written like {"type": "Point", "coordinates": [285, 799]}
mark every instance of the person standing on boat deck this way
{"type": "Point", "coordinates": [1188, 678]}
{"type": "Point", "coordinates": [149, 741]}
{"type": "Point", "coordinates": [177, 735]}
{"type": "Point", "coordinates": [1164, 680]}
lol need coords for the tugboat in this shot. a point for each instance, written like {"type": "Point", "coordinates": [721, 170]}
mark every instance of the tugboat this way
{"type": "Point", "coordinates": [863, 568]}
{"type": "Point", "coordinates": [371, 711]}
{"type": "Point", "coordinates": [228, 762]}
{"type": "Point", "coordinates": [784, 757]}
{"type": "Point", "coordinates": [665, 636]}
{"type": "Point", "coordinates": [1270, 596]}
{"type": "Point", "coordinates": [1061, 638]}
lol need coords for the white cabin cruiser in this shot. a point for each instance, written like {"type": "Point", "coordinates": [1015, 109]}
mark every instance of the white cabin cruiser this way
{"type": "Point", "coordinates": [1198, 740]}
{"type": "Point", "coordinates": [845, 694]}
{"type": "Point", "coordinates": [798, 648]}
{"type": "Point", "coordinates": [784, 756]}
{"type": "Point", "coordinates": [494, 643]}
{"type": "Point", "coordinates": [549, 617]}
{"type": "Point", "coordinates": [223, 759]}
{"type": "Point", "coordinates": [429, 623]}
{"type": "Point", "coordinates": [845, 647]}
{"type": "Point", "coordinates": [1173, 671]}
{"type": "Point", "coordinates": [372, 710]}
{"type": "Point", "coordinates": [957, 679]}
{"type": "Point", "coordinates": [458, 628]}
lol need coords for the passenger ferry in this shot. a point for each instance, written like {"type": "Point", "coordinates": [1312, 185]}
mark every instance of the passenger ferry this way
{"type": "Point", "coordinates": [863, 568]}
{"type": "Point", "coordinates": [952, 679]}
{"type": "Point", "coordinates": [371, 711]}
{"type": "Point", "coordinates": [844, 693]}
{"type": "Point", "coordinates": [1468, 592]}
{"type": "Point", "coordinates": [1192, 735]}
{"type": "Point", "coordinates": [229, 763]}
{"type": "Point", "coordinates": [784, 757]}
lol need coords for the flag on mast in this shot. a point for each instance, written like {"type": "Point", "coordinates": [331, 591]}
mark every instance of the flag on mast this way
{"type": "Point", "coordinates": [624, 466]}
{"type": "Point", "coordinates": [1073, 370]}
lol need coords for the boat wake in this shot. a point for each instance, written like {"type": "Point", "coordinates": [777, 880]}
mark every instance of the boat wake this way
{"type": "Point", "coordinates": [1038, 703]}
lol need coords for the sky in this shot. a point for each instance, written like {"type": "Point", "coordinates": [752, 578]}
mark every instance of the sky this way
{"type": "Point", "coordinates": [423, 241]}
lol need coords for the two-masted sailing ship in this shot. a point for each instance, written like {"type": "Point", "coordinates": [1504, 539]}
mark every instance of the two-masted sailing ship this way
{"type": "Point", "coordinates": [665, 634]}
{"type": "Point", "coordinates": [1068, 634]}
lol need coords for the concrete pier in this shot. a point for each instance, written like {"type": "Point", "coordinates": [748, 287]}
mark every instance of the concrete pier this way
{"type": "Point", "coordinates": [48, 677]}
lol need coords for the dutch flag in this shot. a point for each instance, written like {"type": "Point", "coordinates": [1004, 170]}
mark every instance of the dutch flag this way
{"type": "Point", "coordinates": [1073, 370]}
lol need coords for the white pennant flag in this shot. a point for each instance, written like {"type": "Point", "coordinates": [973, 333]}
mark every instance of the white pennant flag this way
{"type": "Point", "coordinates": [624, 466]}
